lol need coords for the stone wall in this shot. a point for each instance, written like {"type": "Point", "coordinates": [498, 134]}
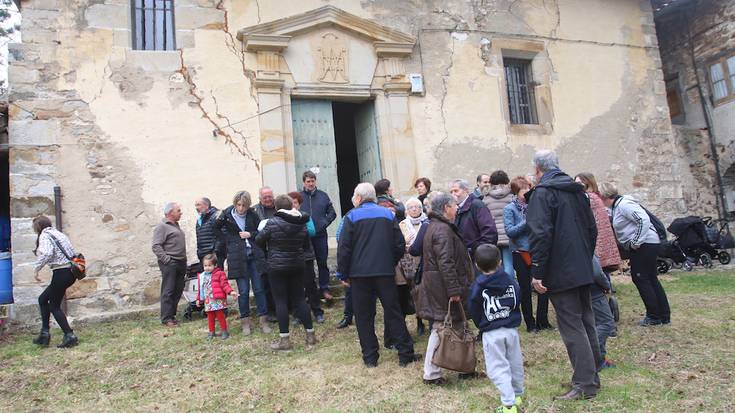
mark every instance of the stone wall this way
{"type": "Point", "coordinates": [711, 25]}
{"type": "Point", "coordinates": [123, 131]}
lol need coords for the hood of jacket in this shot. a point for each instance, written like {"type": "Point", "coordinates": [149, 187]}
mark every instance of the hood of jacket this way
{"type": "Point", "coordinates": [498, 191]}
{"type": "Point", "coordinates": [291, 221]}
{"type": "Point", "coordinates": [559, 180]}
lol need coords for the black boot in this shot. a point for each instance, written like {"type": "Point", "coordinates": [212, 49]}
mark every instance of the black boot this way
{"type": "Point", "coordinates": [43, 338]}
{"type": "Point", "coordinates": [70, 340]}
{"type": "Point", "coordinates": [344, 322]}
{"type": "Point", "coordinates": [420, 329]}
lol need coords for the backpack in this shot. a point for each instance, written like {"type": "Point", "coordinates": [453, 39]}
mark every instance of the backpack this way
{"type": "Point", "coordinates": [657, 225]}
{"type": "Point", "coordinates": [78, 262]}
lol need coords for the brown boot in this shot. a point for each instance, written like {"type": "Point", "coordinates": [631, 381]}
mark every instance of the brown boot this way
{"type": "Point", "coordinates": [311, 338]}
{"type": "Point", "coordinates": [264, 327]}
{"type": "Point", "coordinates": [245, 322]}
{"type": "Point", "coordinates": [283, 344]}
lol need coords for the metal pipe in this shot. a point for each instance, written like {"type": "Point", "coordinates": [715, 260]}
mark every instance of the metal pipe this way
{"type": "Point", "coordinates": [721, 205]}
{"type": "Point", "coordinates": [57, 207]}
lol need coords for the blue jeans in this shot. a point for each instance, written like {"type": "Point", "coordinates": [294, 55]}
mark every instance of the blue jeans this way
{"type": "Point", "coordinates": [604, 321]}
{"type": "Point", "coordinates": [251, 276]}
{"type": "Point", "coordinates": [507, 256]}
{"type": "Point", "coordinates": [321, 251]}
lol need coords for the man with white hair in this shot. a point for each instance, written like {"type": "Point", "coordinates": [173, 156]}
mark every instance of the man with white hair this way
{"type": "Point", "coordinates": [562, 240]}
{"type": "Point", "coordinates": [474, 221]}
{"type": "Point", "coordinates": [370, 246]}
{"type": "Point", "coordinates": [169, 245]}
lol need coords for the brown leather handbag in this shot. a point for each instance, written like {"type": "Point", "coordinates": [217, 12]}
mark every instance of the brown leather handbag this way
{"type": "Point", "coordinates": [456, 350]}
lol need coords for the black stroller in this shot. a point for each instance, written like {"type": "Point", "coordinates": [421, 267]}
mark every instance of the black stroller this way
{"type": "Point", "coordinates": [691, 236]}
{"type": "Point", "coordinates": [672, 256]}
{"type": "Point", "coordinates": [719, 237]}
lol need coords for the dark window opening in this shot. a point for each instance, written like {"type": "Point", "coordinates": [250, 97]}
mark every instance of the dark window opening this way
{"type": "Point", "coordinates": [153, 25]}
{"type": "Point", "coordinates": [674, 100]}
{"type": "Point", "coordinates": [521, 97]}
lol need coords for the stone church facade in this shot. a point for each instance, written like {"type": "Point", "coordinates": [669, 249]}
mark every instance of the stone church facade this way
{"type": "Point", "coordinates": [125, 105]}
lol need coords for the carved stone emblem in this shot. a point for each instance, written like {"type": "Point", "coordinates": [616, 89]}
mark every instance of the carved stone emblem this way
{"type": "Point", "coordinates": [332, 59]}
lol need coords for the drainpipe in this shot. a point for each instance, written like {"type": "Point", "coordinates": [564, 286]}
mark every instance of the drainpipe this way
{"type": "Point", "coordinates": [57, 208]}
{"type": "Point", "coordinates": [59, 226]}
{"type": "Point", "coordinates": [721, 207]}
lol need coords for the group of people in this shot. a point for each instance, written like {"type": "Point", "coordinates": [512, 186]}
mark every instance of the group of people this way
{"type": "Point", "coordinates": [486, 248]}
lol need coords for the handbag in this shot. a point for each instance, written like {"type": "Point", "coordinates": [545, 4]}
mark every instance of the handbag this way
{"type": "Point", "coordinates": [78, 262]}
{"type": "Point", "coordinates": [456, 349]}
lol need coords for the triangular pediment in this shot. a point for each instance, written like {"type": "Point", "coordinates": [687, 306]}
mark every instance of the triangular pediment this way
{"type": "Point", "coordinates": [280, 31]}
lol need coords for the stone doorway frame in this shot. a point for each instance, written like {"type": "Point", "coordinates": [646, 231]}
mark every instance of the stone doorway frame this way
{"type": "Point", "coordinates": [275, 87]}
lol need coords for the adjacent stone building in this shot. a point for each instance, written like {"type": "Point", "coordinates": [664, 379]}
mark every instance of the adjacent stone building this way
{"type": "Point", "coordinates": [697, 43]}
{"type": "Point", "coordinates": [125, 105]}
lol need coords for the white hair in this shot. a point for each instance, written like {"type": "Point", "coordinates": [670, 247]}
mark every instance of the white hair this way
{"type": "Point", "coordinates": [546, 160]}
{"type": "Point", "coordinates": [413, 201]}
{"type": "Point", "coordinates": [366, 191]}
{"type": "Point", "coordinates": [461, 183]}
{"type": "Point", "coordinates": [169, 207]}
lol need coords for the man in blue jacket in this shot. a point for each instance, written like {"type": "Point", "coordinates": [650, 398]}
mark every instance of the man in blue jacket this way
{"type": "Point", "coordinates": [321, 211]}
{"type": "Point", "coordinates": [370, 246]}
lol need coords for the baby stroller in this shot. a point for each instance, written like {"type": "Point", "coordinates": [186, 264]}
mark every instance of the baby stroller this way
{"type": "Point", "coordinates": [691, 235]}
{"type": "Point", "coordinates": [191, 292]}
{"type": "Point", "coordinates": [672, 256]}
{"type": "Point", "coordinates": [719, 237]}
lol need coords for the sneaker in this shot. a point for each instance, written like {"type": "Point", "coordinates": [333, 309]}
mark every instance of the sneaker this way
{"type": "Point", "coordinates": [210, 336]}
{"type": "Point", "coordinates": [43, 339]}
{"type": "Point", "coordinates": [411, 359]}
{"type": "Point", "coordinates": [70, 340]}
{"type": "Point", "coordinates": [649, 321]}
{"type": "Point", "coordinates": [319, 318]}
{"type": "Point", "coordinates": [225, 335]}
{"type": "Point", "coordinates": [607, 364]}
{"type": "Point", "coordinates": [505, 409]}
{"type": "Point", "coordinates": [435, 382]}
{"type": "Point", "coordinates": [344, 323]}
{"type": "Point", "coordinates": [613, 333]}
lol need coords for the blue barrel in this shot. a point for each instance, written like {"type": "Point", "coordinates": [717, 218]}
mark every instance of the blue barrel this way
{"type": "Point", "coordinates": [6, 278]}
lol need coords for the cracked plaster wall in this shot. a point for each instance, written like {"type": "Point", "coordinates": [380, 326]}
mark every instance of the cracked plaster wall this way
{"type": "Point", "coordinates": [124, 131]}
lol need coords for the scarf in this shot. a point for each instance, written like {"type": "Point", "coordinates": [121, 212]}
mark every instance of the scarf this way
{"type": "Point", "coordinates": [413, 222]}
{"type": "Point", "coordinates": [520, 205]}
{"type": "Point", "coordinates": [240, 220]}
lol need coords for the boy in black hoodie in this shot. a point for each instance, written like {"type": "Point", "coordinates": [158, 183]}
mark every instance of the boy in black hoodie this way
{"type": "Point", "coordinates": [494, 301]}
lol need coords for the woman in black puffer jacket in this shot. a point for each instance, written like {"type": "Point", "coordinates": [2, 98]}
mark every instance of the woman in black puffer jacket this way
{"type": "Point", "coordinates": [285, 237]}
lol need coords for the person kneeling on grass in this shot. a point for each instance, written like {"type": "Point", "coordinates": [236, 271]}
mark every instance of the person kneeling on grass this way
{"type": "Point", "coordinates": [213, 291]}
{"type": "Point", "coordinates": [494, 308]}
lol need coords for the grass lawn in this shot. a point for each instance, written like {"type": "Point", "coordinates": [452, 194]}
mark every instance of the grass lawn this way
{"type": "Point", "coordinates": [140, 366]}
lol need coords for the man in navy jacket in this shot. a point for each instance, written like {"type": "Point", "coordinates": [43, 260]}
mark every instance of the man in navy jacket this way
{"type": "Point", "coordinates": [319, 207]}
{"type": "Point", "coordinates": [370, 246]}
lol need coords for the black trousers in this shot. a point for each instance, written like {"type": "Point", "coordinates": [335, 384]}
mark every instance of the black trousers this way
{"type": "Point", "coordinates": [172, 285]}
{"type": "Point", "coordinates": [523, 272]}
{"type": "Point", "coordinates": [50, 299]}
{"type": "Point", "coordinates": [364, 291]}
{"type": "Point", "coordinates": [312, 292]}
{"type": "Point", "coordinates": [576, 322]}
{"type": "Point", "coordinates": [287, 286]}
{"type": "Point", "coordinates": [269, 301]}
{"type": "Point", "coordinates": [645, 277]}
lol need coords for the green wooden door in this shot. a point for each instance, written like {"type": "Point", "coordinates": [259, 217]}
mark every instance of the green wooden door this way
{"type": "Point", "coordinates": [366, 136]}
{"type": "Point", "coordinates": [314, 148]}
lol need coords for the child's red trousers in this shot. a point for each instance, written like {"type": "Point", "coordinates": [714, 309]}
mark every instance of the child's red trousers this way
{"type": "Point", "coordinates": [220, 315]}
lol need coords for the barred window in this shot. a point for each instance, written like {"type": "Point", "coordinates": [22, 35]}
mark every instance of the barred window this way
{"type": "Point", "coordinates": [153, 25]}
{"type": "Point", "coordinates": [722, 79]}
{"type": "Point", "coordinates": [521, 99]}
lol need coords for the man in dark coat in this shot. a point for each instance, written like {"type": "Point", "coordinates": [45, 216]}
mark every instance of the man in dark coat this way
{"type": "Point", "coordinates": [474, 220]}
{"type": "Point", "coordinates": [562, 237]}
{"type": "Point", "coordinates": [370, 246]}
{"type": "Point", "coordinates": [208, 240]}
{"type": "Point", "coordinates": [319, 207]}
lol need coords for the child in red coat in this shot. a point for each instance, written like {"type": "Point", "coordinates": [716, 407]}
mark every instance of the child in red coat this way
{"type": "Point", "coordinates": [213, 291]}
